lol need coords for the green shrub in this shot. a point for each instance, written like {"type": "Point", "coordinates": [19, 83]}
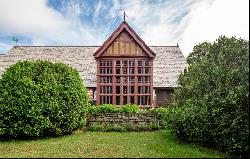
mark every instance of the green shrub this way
{"type": "Point", "coordinates": [211, 103]}
{"type": "Point", "coordinates": [129, 108]}
{"type": "Point", "coordinates": [40, 98]}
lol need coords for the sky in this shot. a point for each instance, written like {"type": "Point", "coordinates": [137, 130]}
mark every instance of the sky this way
{"type": "Point", "coordinates": [91, 22]}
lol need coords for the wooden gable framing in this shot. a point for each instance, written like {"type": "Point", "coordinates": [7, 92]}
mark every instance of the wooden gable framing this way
{"type": "Point", "coordinates": [124, 42]}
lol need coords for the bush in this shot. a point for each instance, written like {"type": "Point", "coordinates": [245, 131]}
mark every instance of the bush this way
{"type": "Point", "coordinates": [129, 108]}
{"type": "Point", "coordinates": [211, 103]}
{"type": "Point", "coordinates": [40, 98]}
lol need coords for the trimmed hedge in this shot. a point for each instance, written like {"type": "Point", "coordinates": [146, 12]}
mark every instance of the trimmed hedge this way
{"type": "Point", "coordinates": [40, 98]}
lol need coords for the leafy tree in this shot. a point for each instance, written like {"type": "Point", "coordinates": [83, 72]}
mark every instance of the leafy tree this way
{"type": "Point", "coordinates": [40, 98]}
{"type": "Point", "coordinates": [211, 102]}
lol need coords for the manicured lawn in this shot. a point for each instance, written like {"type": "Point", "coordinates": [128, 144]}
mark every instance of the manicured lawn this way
{"type": "Point", "coordinates": [106, 144]}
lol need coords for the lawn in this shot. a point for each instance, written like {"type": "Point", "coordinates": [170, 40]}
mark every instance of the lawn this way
{"type": "Point", "coordinates": [107, 144]}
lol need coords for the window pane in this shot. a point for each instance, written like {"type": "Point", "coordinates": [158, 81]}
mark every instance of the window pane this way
{"type": "Point", "coordinates": [102, 63]}
{"type": "Point", "coordinates": [140, 89]}
{"type": "Point", "coordinates": [140, 70]}
{"type": "Point", "coordinates": [146, 63]}
{"type": "Point", "coordinates": [118, 90]}
{"type": "Point", "coordinates": [118, 71]}
{"type": "Point", "coordinates": [132, 99]}
{"type": "Point", "coordinates": [125, 70]}
{"type": "Point", "coordinates": [118, 100]}
{"type": "Point", "coordinates": [147, 89]}
{"type": "Point", "coordinates": [125, 79]}
{"type": "Point", "coordinates": [109, 99]}
{"type": "Point", "coordinates": [131, 71]}
{"type": "Point", "coordinates": [147, 79]}
{"type": "Point", "coordinates": [131, 79]}
{"type": "Point", "coordinates": [140, 80]}
{"type": "Point", "coordinates": [125, 100]}
{"type": "Point", "coordinates": [131, 63]}
{"type": "Point", "coordinates": [109, 79]}
{"type": "Point", "coordinates": [102, 89]}
{"type": "Point", "coordinates": [139, 63]}
{"type": "Point", "coordinates": [118, 63]}
{"type": "Point", "coordinates": [109, 89]}
{"type": "Point", "coordinates": [102, 71]}
{"type": "Point", "coordinates": [147, 100]}
{"type": "Point", "coordinates": [132, 89]}
{"type": "Point", "coordinates": [118, 79]}
{"type": "Point", "coordinates": [125, 89]}
{"type": "Point", "coordinates": [109, 63]}
{"type": "Point", "coordinates": [147, 70]}
{"type": "Point", "coordinates": [125, 63]}
{"type": "Point", "coordinates": [140, 100]}
{"type": "Point", "coordinates": [102, 79]}
{"type": "Point", "coordinates": [109, 70]}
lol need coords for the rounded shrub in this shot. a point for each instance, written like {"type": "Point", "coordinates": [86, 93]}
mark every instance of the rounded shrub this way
{"type": "Point", "coordinates": [40, 98]}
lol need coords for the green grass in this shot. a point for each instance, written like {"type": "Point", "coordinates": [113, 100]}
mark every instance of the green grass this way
{"type": "Point", "coordinates": [107, 144]}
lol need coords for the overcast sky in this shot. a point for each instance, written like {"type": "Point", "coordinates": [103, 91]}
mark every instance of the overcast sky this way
{"type": "Point", "coordinates": [90, 22]}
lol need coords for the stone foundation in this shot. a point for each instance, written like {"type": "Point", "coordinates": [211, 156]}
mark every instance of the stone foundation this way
{"type": "Point", "coordinates": [121, 118]}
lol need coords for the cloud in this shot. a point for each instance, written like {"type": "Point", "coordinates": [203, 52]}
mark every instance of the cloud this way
{"type": "Point", "coordinates": [42, 23]}
{"type": "Point", "coordinates": [208, 21]}
{"type": "Point", "coordinates": [158, 22]}
{"type": "Point", "coordinates": [188, 22]}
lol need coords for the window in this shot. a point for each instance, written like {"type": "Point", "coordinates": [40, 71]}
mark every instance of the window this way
{"type": "Point", "coordinates": [109, 79]}
{"type": "Point", "coordinates": [132, 99]}
{"type": "Point", "coordinates": [125, 80]}
{"type": "Point", "coordinates": [146, 63]}
{"type": "Point", "coordinates": [140, 100]}
{"type": "Point", "coordinates": [109, 70]}
{"type": "Point", "coordinates": [125, 63]}
{"type": "Point", "coordinates": [118, 100]}
{"type": "Point", "coordinates": [132, 90]}
{"type": "Point", "coordinates": [125, 100]}
{"type": "Point", "coordinates": [131, 63]}
{"type": "Point", "coordinates": [118, 71]}
{"type": "Point", "coordinates": [102, 79]}
{"type": "Point", "coordinates": [140, 80]}
{"type": "Point", "coordinates": [118, 79]}
{"type": "Point", "coordinates": [109, 63]}
{"type": "Point", "coordinates": [102, 71]}
{"type": "Point", "coordinates": [102, 89]}
{"type": "Point", "coordinates": [147, 71]}
{"type": "Point", "coordinates": [132, 71]}
{"type": "Point", "coordinates": [125, 71]}
{"type": "Point", "coordinates": [102, 63]}
{"type": "Point", "coordinates": [139, 63]}
{"type": "Point", "coordinates": [131, 79]}
{"type": "Point", "coordinates": [140, 89]}
{"type": "Point", "coordinates": [109, 100]}
{"type": "Point", "coordinates": [118, 63]}
{"type": "Point", "coordinates": [147, 90]}
{"type": "Point", "coordinates": [109, 89]}
{"type": "Point", "coordinates": [125, 89]}
{"type": "Point", "coordinates": [140, 70]}
{"type": "Point", "coordinates": [118, 90]}
{"type": "Point", "coordinates": [147, 100]}
{"type": "Point", "coordinates": [147, 79]}
{"type": "Point", "coordinates": [102, 99]}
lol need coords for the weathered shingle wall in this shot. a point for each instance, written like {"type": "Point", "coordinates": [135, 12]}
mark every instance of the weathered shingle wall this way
{"type": "Point", "coordinates": [168, 63]}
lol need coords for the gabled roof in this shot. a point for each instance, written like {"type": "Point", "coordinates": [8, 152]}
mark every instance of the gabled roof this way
{"type": "Point", "coordinates": [124, 26]}
{"type": "Point", "coordinates": [168, 63]}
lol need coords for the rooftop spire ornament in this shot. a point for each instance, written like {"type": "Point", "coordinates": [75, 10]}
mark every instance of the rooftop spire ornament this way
{"type": "Point", "coordinates": [124, 16]}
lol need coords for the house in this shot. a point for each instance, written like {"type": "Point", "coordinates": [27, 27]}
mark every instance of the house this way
{"type": "Point", "coordinates": [123, 70]}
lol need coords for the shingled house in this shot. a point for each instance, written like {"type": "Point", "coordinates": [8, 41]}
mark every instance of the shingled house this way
{"type": "Point", "coordinates": [123, 70]}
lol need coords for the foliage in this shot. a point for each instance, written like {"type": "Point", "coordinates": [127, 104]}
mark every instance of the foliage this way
{"type": "Point", "coordinates": [124, 127]}
{"type": "Point", "coordinates": [129, 108]}
{"type": "Point", "coordinates": [40, 98]}
{"type": "Point", "coordinates": [211, 103]}
{"type": "Point", "coordinates": [104, 108]}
